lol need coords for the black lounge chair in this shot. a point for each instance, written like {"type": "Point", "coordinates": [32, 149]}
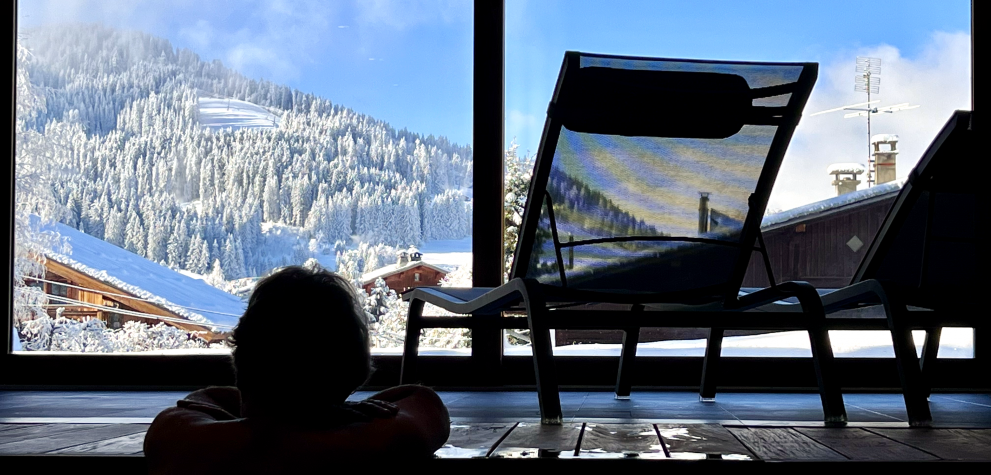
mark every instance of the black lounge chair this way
{"type": "Point", "coordinates": [648, 191]}
{"type": "Point", "coordinates": [922, 269]}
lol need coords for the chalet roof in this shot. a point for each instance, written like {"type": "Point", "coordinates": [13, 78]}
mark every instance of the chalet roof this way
{"type": "Point", "coordinates": [390, 269]}
{"type": "Point", "coordinates": [180, 294]}
{"type": "Point", "coordinates": [819, 208]}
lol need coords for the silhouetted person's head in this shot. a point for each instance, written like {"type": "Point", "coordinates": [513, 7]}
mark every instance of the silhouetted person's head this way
{"type": "Point", "coordinates": [302, 343]}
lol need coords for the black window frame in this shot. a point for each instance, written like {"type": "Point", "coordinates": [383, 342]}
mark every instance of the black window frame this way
{"type": "Point", "coordinates": [487, 366]}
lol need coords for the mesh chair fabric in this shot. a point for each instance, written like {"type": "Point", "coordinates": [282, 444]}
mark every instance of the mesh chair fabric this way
{"type": "Point", "coordinates": [654, 213]}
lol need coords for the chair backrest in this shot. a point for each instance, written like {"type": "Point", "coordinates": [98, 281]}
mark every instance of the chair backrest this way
{"type": "Point", "coordinates": [928, 243]}
{"type": "Point", "coordinates": [653, 174]}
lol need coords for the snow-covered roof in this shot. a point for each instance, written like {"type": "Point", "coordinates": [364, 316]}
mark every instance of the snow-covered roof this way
{"type": "Point", "coordinates": [819, 207]}
{"type": "Point", "coordinates": [394, 268]}
{"type": "Point", "coordinates": [185, 296]}
{"type": "Point", "coordinates": [845, 168]}
{"type": "Point", "coordinates": [884, 138]}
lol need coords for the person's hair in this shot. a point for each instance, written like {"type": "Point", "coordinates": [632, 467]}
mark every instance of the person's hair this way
{"type": "Point", "coordinates": [303, 340]}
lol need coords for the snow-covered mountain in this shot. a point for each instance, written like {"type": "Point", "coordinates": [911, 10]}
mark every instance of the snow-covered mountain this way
{"type": "Point", "coordinates": [182, 160]}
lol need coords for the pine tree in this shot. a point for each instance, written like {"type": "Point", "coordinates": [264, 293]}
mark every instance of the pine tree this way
{"type": "Point", "coordinates": [134, 234]}
{"type": "Point", "coordinates": [158, 241]}
{"type": "Point", "coordinates": [198, 258]}
{"type": "Point", "coordinates": [178, 245]}
{"type": "Point", "coordinates": [273, 210]}
{"type": "Point", "coordinates": [232, 264]}
{"type": "Point", "coordinates": [216, 276]}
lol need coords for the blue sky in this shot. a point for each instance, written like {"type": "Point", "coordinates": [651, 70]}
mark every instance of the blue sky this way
{"type": "Point", "coordinates": [409, 62]}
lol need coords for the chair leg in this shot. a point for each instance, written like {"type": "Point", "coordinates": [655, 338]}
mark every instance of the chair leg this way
{"type": "Point", "coordinates": [548, 394]}
{"type": "Point", "coordinates": [909, 370]}
{"type": "Point", "coordinates": [830, 393]}
{"type": "Point", "coordinates": [710, 366]}
{"type": "Point", "coordinates": [411, 346]}
{"type": "Point", "coordinates": [833, 409]}
{"type": "Point", "coordinates": [627, 358]}
{"type": "Point", "coordinates": [929, 354]}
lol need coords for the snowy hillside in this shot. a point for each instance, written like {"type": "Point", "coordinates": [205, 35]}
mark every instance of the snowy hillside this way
{"type": "Point", "coordinates": [181, 160]}
{"type": "Point", "coordinates": [218, 113]}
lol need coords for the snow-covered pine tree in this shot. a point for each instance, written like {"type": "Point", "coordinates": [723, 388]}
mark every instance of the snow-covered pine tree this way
{"type": "Point", "coordinates": [273, 210]}
{"type": "Point", "coordinates": [32, 196]}
{"type": "Point", "coordinates": [178, 245]}
{"type": "Point", "coordinates": [158, 238]}
{"type": "Point", "coordinates": [216, 276]}
{"type": "Point", "coordinates": [517, 172]}
{"type": "Point", "coordinates": [134, 234]}
{"type": "Point", "coordinates": [233, 265]}
{"type": "Point", "coordinates": [198, 257]}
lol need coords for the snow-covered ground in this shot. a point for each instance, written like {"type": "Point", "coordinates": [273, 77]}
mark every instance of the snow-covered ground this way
{"type": "Point", "coordinates": [187, 351]}
{"type": "Point", "coordinates": [217, 113]}
{"type": "Point", "coordinates": [954, 343]}
{"type": "Point", "coordinates": [449, 254]}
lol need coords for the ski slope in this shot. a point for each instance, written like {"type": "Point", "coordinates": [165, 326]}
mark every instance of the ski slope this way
{"type": "Point", "coordinates": [218, 113]}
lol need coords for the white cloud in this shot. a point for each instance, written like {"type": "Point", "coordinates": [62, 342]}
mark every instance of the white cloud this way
{"type": "Point", "coordinates": [283, 33]}
{"type": "Point", "coordinates": [200, 35]}
{"type": "Point", "coordinates": [252, 57]}
{"type": "Point", "coordinates": [938, 79]}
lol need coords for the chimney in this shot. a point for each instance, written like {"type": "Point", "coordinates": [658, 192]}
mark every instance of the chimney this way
{"type": "Point", "coordinates": [403, 258]}
{"type": "Point", "coordinates": [703, 212]}
{"type": "Point", "coordinates": [845, 177]}
{"type": "Point", "coordinates": [884, 157]}
{"type": "Point", "coordinates": [415, 256]}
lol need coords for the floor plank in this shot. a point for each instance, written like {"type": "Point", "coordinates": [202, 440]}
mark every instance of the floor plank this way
{"type": "Point", "coordinates": [621, 441]}
{"type": "Point", "coordinates": [6, 427]}
{"type": "Point", "coordinates": [56, 441]}
{"type": "Point", "coordinates": [29, 431]}
{"type": "Point", "coordinates": [783, 444]}
{"type": "Point", "coordinates": [947, 444]}
{"type": "Point", "coordinates": [532, 439]}
{"type": "Point", "coordinates": [125, 445]}
{"type": "Point", "coordinates": [859, 444]}
{"type": "Point", "coordinates": [473, 440]}
{"type": "Point", "coordinates": [701, 441]}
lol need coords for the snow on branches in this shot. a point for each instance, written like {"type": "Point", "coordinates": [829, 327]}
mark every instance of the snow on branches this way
{"type": "Point", "coordinates": [92, 336]}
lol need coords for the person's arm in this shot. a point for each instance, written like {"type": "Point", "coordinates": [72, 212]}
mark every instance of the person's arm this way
{"type": "Point", "coordinates": [194, 438]}
{"type": "Point", "coordinates": [422, 420]}
{"type": "Point", "coordinates": [407, 421]}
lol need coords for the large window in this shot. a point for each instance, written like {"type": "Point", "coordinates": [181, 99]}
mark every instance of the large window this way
{"type": "Point", "coordinates": [920, 58]}
{"type": "Point", "coordinates": [168, 156]}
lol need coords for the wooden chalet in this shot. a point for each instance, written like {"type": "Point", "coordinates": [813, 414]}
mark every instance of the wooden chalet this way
{"type": "Point", "coordinates": [409, 271]}
{"type": "Point", "coordinates": [96, 279]}
{"type": "Point", "coordinates": [822, 243]}
{"type": "Point", "coordinates": [83, 297]}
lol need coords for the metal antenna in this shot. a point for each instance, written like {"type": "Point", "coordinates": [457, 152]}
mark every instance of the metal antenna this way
{"type": "Point", "coordinates": [868, 80]}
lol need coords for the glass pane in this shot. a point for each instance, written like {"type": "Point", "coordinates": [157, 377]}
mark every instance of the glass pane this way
{"type": "Point", "coordinates": [169, 155]}
{"type": "Point", "coordinates": [821, 217]}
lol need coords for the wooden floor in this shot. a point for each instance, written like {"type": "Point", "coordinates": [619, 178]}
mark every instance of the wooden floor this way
{"type": "Point", "coordinates": [85, 431]}
{"type": "Point", "coordinates": [643, 441]}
